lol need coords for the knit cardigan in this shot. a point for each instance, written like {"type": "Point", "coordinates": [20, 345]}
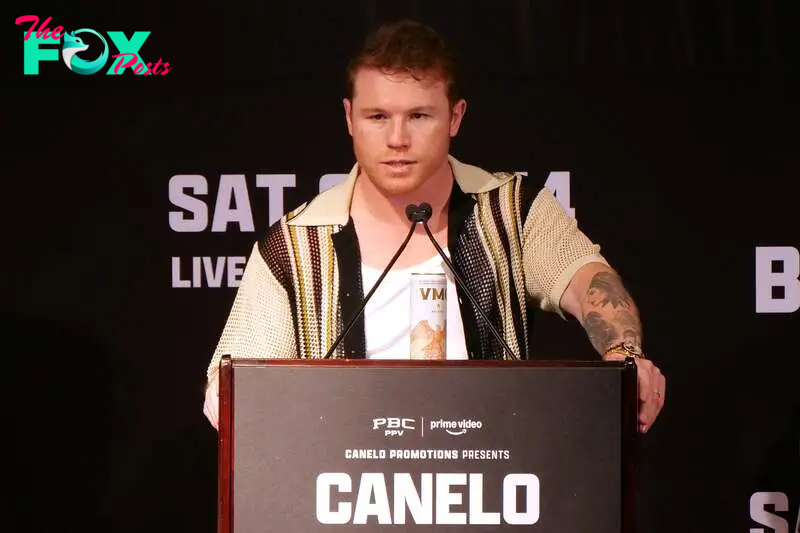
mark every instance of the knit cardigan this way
{"type": "Point", "coordinates": [509, 239]}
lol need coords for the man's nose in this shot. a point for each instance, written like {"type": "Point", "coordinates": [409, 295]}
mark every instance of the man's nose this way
{"type": "Point", "coordinates": [398, 134]}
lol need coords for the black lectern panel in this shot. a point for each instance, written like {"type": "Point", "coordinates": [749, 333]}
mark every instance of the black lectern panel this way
{"type": "Point", "coordinates": [367, 446]}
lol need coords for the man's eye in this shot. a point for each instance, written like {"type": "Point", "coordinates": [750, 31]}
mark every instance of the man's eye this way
{"type": "Point", "coordinates": [377, 116]}
{"type": "Point", "coordinates": [419, 115]}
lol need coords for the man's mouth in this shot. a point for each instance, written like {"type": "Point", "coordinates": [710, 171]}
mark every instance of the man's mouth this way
{"type": "Point", "coordinates": [398, 163]}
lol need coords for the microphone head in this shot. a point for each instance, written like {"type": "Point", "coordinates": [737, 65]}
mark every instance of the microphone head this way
{"type": "Point", "coordinates": [426, 210]}
{"type": "Point", "coordinates": [411, 212]}
{"type": "Point", "coordinates": [419, 213]}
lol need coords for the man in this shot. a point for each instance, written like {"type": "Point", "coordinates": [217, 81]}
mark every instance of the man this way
{"type": "Point", "coordinates": [511, 242]}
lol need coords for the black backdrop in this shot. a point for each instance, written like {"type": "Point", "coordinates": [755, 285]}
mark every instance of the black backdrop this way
{"type": "Point", "coordinates": [676, 126]}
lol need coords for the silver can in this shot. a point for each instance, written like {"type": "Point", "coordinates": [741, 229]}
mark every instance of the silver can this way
{"type": "Point", "coordinates": [428, 336]}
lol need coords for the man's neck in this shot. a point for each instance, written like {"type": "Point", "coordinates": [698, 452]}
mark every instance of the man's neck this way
{"type": "Point", "coordinates": [392, 210]}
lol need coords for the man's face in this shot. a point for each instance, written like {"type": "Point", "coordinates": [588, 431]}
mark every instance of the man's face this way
{"type": "Point", "coordinates": [401, 128]}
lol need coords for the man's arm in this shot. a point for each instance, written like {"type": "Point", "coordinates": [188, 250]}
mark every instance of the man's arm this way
{"type": "Point", "coordinates": [565, 273]}
{"type": "Point", "coordinates": [259, 325]}
{"type": "Point", "coordinates": [597, 297]}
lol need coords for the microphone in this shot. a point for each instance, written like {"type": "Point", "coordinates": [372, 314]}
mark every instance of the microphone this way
{"type": "Point", "coordinates": [352, 321]}
{"type": "Point", "coordinates": [423, 212]}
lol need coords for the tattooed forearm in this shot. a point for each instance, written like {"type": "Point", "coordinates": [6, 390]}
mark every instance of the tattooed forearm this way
{"type": "Point", "coordinates": [606, 289]}
{"type": "Point", "coordinates": [609, 313]}
{"type": "Point", "coordinates": [600, 332]}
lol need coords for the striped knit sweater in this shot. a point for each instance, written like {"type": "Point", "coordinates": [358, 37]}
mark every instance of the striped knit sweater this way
{"type": "Point", "coordinates": [511, 242]}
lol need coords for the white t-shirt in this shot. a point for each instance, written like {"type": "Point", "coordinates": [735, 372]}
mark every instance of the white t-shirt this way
{"type": "Point", "coordinates": [387, 314]}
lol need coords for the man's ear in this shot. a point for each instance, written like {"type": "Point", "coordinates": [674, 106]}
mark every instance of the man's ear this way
{"type": "Point", "coordinates": [456, 115]}
{"type": "Point", "coordinates": [348, 108]}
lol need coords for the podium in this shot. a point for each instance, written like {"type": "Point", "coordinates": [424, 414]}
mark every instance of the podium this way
{"type": "Point", "coordinates": [310, 445]}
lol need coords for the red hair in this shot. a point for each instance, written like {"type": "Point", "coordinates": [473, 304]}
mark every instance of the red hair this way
{"type": "Point", "coordinates": [406, 47]}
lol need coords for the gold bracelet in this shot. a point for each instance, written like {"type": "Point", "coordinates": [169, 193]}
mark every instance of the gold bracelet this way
{"type": "Point", "coordinates": [627, 349]}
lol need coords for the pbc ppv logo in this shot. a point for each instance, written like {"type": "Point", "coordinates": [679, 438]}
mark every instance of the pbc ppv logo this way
{"type": "Point", "coordinates": [74, 43]}
{"type": "Point", "coordinates": [393, 427]}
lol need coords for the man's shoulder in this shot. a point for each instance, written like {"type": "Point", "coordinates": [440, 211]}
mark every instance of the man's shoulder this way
{"type": "Point", "coordinates": [474, 179]}
{"type": "Point", "coordinates": [500, 179]}
{"type": "Point", "coordinates": [277, 229]}
{"type": "Point", "coordinates": [317, 212]}
{"type": "Point", "coordinates": [479, 180]}
{"type": "Point", "coordinates": [515, 184]}
{"type": "Point", "coordinates": [277, 245]}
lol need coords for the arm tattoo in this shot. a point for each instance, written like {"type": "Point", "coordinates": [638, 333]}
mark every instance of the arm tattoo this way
{"type": "Point", "coordinates": [606, 288]}
{"type": "Point", "coordinates": [609, 313]}
{"type": "Point", "coordinates": [600, 332]}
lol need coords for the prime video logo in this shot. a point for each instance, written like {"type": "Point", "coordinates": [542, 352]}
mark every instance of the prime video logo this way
{"type": "Point", "coordinates": [456, 427]}
{"type": "Point", "coordinates": [73, 44]}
